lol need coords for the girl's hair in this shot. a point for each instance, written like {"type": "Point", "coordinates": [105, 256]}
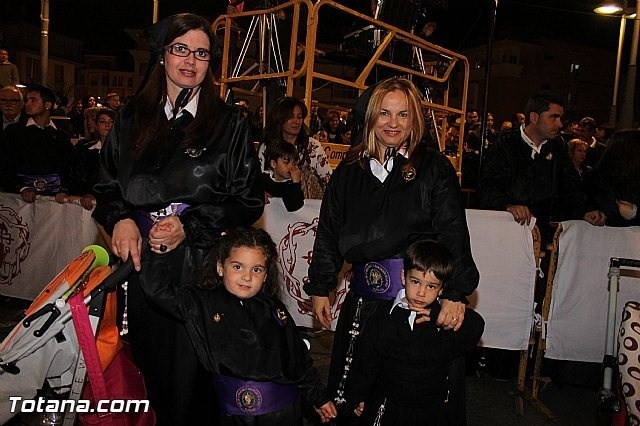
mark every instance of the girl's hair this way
{"type": "Point", "coordinates": [429, 255]}
{"type": "Point", "coordinates": [368, 143]}
{"type": "Point", "coordinates": [243, 237]}
{"type": "Point", "coordinates": [620, 164]}
{"type": "Point", "coordinates": [150, 122]}
{"type": "Point", "coordinates": [279, 113]}
{"type": "Point", "coordinates": [573, 144]}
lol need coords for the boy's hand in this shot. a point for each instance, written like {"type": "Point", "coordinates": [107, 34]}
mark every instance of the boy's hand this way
{"type": "Point", "coordinates": [296, 174]}
{"type": "Point", "coordinates": [423, 314]}
{"type": "Point", "coordinates": [359, 409]}
{"type": "Point", "coordinates": [327, 412]}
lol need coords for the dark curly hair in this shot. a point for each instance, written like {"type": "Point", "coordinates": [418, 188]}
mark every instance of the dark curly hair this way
{"type": "Point", "coordinates": [243, 237]}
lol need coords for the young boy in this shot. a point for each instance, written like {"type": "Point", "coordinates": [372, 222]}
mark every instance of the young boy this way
{"type": "Point", "coordinates": [403, 378]}
{"type": "Point", "coordinates": [283, 177]}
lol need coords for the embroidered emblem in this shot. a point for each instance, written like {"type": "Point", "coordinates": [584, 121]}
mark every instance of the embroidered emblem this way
{"type": "Point", "coordinates": [549, 156]}
{"type": "Point", "coordinates": [194, 152]}
{"type": "Point", "coordinates": [377, 277]}
{"type": "Point", "coordinates": [409, 174]}
{"type": "Point", "coordinates": [14, 244]}
{"type": "Point", "coordinates": [248, 399]}
{"type": "Point", "coordinates": [217, 317]}
{"type": "Point", "coordinates": [281, 316]}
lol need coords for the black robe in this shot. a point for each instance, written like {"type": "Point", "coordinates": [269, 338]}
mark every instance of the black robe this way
{"type": "Point", "coordinates": [408, 367]}
{"type": "Point", "coordinates": [30, 150]}
{"type": "Point", "coordinates": [252, 339]}
{"type": "Point", "coordinates": [221, 188]}
{"type": "Point", "coordinates": [362, 219]}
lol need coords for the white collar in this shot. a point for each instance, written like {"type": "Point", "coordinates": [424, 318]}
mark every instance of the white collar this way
{"type": "Point", "coordinates": [192, 107]}
{"type": "Point", "coordinates": [594, 142]}
{"type": "Point", "coordinates": [270, 173]}
{"type": "Point", "coordinates": [381, 171]}
{"type": "Point", "coordinates": [32, 122]}
{"type": "Point", "coordinates": [401, 302]}
{"type": "Point", "coordinates": [535, 149]}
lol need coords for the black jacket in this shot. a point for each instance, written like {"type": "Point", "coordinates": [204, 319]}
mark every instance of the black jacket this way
{"type": "Point", "coordinates": [510, 176]}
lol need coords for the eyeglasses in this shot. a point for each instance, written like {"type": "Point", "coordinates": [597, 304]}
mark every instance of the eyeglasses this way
{"type": "Point", "coordinates": [183, 51]}
{"type": "Point", "coordinates": [9, 101]}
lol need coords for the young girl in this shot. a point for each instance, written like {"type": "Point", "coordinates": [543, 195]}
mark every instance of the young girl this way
{"type": "Point", "coordinates": [243, 333]}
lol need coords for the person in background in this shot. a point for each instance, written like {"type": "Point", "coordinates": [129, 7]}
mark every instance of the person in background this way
{"type": "Point", "coordinates": [332, 127]}
{"type": "Point", "coordinates": [285, 121]}
{"type": "Point", "coordinates": [9, 75]}
{"type": "Point", "coordinates": [390, 191]}
{"type": "Point", "coordinates": [113, 101]}
{"type": "Point", "coordinates": [35, 159]}
{"type": "Point", "coordinates": [282, 178]}
{"type": "Point", "coordinates": [577, 155]}
{"type": "Point", "coordinates": [178, 168]}
{"type": "Point", "coordinates": [86, 159]}
{"type": "Point", "coordinates": [11, 107]}
{"type": "Point", "coordinates": [616, 179]}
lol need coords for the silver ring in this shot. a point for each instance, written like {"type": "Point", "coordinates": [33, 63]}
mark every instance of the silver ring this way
{"type": "Point", "coordinates": [163, 248]}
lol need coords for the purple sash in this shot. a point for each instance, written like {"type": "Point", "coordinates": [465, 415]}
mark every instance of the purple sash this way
{"type": "Point", "coordinates": [377, 280]}
{"type": "Point", "coordinates": [247, 398]}
{"type": "Point", "coordinates": [43, 184]}
{"type": "Point", "coordinates": [145, 220]}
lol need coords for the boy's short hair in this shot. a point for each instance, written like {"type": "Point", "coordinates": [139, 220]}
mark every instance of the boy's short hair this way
{"type": "Point", "coordinates": [429, 255]}
{"type": "Point", "coordinates": [279, 149]}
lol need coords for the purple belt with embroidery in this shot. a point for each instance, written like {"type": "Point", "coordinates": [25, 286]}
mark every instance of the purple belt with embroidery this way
{"type": "Point", "coordinates": [377, 280]}
{"type": "Point", "coordinates": [43, 184]}
{"type": "Point", "coordinates": [247, 398]}
{"type": "Point", "coordinates": [145, 219]}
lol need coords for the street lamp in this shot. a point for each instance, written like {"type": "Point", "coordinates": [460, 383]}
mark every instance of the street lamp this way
{"type": "Point", "coordinates": [610, 7]}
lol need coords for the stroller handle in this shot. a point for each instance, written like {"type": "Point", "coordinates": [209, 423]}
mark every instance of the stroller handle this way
{"type": "Point", "coordinates": [616, 262]}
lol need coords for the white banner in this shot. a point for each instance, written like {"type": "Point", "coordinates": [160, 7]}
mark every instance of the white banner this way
{"type": "Point", "coordinates": [503, 252]}
{"type": "Point", "coordinates": [294, 234]}
{"type": "Point", "coordinates": [578, 319]}
{"type": "Point", "coordinates": [37, 241]}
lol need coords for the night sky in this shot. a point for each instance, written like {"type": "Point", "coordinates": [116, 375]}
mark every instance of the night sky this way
{"type": "Point", "coordinates": [464, 23]}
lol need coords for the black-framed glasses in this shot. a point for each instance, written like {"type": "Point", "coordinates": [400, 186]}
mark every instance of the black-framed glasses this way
{"type": "Point", "coordinates": [183, 51]}
{"type": "Point", "coordinates": [9, 101]}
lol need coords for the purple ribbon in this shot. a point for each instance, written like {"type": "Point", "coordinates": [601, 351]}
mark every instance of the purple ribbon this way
{"type": "Point", "coordinates": [145, 220]}
{"type": "Point", "coordinates": [248, 398]}
{"type": "Point", "coordinates": [378, 280]}
{"type": "Point", "coordinates": [43, 184]}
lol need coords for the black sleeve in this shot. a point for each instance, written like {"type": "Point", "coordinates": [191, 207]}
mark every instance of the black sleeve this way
{"type": "Point", "coordinates": [494, 187]}
{"type": "Point", "coordinates": [450, 225]}
{"type": "Point", "coordinates": [311, 388]}
{"type": "Point", "coordinates": [469, 334]}
{"type": "Point", "coordinates": [363, 375]}
{"type": "Point", "coordinates": [293, 197]}
{"type": "Point", "coordinates": [327, 261]}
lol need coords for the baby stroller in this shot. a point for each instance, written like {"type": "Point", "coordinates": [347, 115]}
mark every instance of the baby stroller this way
{"type": "Point", "coordinates": [42, 351]}
{"type": "Point", "coordinates": [614, 393]}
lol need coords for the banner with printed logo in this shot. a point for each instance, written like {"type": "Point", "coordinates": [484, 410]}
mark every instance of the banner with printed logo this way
{"type": "Point", "coordinates": [294, 234]}
{"type": "Point", "coordinates": [37, 241]}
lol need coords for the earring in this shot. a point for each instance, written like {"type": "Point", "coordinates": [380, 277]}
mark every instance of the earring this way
{"type": "Point", "coordinates": [161, 61]}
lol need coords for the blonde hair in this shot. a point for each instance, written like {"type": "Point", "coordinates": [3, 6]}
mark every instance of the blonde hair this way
{"type": "Point", "coordinates": [368, 144]}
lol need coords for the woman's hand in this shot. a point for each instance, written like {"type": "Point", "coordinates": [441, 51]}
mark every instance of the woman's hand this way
{"type": "Point", "coordinates": [627, 209]}
{"type": "Point", "coordinates": [322, 310]}
{"type": "Point", "coordinates": [61, 197]}
{"type": "Point", "coordinates": [126, 241]}
{"type": "Point", "coordinates": [327, 412]}
{"type": "Point", "coordinates": [451, 314]}
{"type": "Point", "coordinates": [166, 234]}
{"type": "Point", "coordinates": [87, 201]}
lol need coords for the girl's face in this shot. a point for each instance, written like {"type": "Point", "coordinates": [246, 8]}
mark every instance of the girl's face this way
{"type": "Point", "coordinates": [104, 125]}
{"type": "Point", "coordinates": [91, 102]}
{"type": "Point", "coordinates": [187, 72]}
{"type": "Point", "coordinates": [580, 154]}
{"type": "Point", "coordinates": [393, 125]}
{"type": "Point", "coordinates": [244, 271]}
{"type": "Point", "coordinates": [292, 126]}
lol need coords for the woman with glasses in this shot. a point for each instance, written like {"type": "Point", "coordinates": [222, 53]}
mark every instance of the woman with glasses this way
{"type": "Point", "coordinates": [177, 169]}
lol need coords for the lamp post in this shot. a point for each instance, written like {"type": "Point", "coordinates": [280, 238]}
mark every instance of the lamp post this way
{"type": "Point", "coordinates": [626, 112]}
{"type": "Point", "coordinates": [44, 41]}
